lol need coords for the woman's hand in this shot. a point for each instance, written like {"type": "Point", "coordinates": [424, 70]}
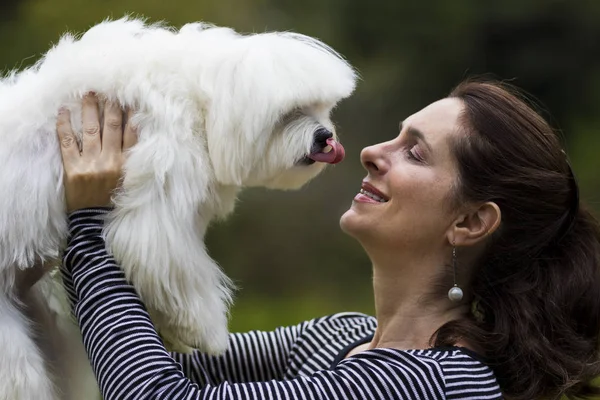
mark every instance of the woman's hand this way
{"type": "Point", "coordinates": [93, 173]}
{"type": "Point", "coordinates": [26, 278]}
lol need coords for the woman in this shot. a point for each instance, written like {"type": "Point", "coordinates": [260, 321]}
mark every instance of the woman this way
{"type": "Point", "coordinates": [485, 271]}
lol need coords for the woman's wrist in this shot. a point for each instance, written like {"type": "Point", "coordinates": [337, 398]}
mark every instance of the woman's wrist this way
{"type": "Point", "coordinates": [90, 210]}
{"type": "Point", "coordinates": [93, 216]}
{"type": "Point", "coordinates": [85, 226]}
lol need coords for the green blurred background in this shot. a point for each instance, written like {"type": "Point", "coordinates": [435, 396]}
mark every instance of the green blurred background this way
{"type": "Point", "coordinates": [285, 249]}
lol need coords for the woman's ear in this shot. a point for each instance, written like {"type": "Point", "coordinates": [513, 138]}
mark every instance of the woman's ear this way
{"type": "Point", "coordinates": [472, 227]}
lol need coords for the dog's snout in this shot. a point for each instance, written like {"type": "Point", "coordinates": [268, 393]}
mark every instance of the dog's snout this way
{"type": "Point", "coordinates": [321, 136]}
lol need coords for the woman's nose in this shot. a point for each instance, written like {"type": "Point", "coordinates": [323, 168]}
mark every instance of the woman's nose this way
{"type": "Point", "coordinates": [373, 159]}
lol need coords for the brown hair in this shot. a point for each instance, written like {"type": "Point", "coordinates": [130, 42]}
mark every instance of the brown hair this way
{"type": "Point", "coordinates": [537, 285]}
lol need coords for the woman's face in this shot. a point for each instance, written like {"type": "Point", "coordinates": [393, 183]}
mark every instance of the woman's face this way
{"type": "Point", "coordinates": [406, 197]}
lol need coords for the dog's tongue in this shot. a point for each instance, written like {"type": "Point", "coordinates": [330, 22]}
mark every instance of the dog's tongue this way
{"type": "Point", "coordinates": [334, 153]}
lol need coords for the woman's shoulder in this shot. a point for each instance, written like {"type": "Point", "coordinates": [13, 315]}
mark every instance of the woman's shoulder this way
{"type": "Point", "coordinates": [460, 371]}
{"type": "Point", "coordinates": [465, 372]}
{"type": "Point", "coordinates": [450, 373]}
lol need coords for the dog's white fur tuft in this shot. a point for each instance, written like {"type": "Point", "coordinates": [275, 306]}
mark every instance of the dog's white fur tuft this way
{"type": "Point", "coordinates": [216, 111]}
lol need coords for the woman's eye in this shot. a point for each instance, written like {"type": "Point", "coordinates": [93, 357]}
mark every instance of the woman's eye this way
{"type": "Point", "coordinates": [413, 154]}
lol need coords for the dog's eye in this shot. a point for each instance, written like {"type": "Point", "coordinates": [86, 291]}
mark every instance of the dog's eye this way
{"type": "Point", "coordinates": [290, 116]}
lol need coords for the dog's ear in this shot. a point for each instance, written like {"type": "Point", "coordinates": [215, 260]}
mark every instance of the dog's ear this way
{"type": "Point", "coordinates": [156, 233]}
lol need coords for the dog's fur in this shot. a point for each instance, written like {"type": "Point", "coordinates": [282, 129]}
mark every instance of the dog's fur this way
{"type": "Point", "coordinates": [216, 111]}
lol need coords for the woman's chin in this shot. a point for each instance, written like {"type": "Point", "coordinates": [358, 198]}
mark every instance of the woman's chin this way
{"type": "Point", "coordinates": [349, 222]}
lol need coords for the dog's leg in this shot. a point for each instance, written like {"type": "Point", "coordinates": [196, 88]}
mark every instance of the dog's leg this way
{"type": "Point", "coordinates": [156, 232]}
{"type": "Point", "coordinates": [23, 374]}
{"type": "Point", "coordinates": [32, 212]}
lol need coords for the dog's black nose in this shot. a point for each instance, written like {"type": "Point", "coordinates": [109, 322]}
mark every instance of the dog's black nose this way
{"type": "Point", "coordinates": [321, 136]}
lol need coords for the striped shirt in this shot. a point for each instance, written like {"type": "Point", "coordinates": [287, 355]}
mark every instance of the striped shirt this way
{"type": "Point", "coordinates": [306, 361]}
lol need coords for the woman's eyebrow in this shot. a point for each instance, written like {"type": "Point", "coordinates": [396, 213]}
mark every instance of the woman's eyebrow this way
{"type": "Point", "coordinates": [414, 132]}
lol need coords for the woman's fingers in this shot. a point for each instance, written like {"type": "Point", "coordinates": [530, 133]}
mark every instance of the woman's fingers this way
{"type": "Point", "coordinates": [91, 145]}
{"type": "Point", "coordinates": [130, 133]}
{"type": "Point", "coordinates": [112, 134]}
{"type": "Point", "coordinates": [69, 147]}
{"type": "Point", "coordinates": [93, 171]}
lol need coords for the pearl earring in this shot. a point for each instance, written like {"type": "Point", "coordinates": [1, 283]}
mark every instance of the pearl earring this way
{"type": "Point", "coordinates": [455, 294]}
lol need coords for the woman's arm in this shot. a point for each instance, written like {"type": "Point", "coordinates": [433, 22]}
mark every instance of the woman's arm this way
{"type": "Point", "coordinates": [126, 353]}
{"type": "Point", "coordinates": [122, 344]}
{"type": "Point", "coordinates": [252, 356]}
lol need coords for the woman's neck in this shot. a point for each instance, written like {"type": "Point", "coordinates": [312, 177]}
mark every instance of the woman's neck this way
{"type": "Point", "coordinates": [407, 312]}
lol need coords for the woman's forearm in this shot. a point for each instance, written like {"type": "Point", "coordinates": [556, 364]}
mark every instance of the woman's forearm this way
{"type": "Point", "coordinates": [127, 354]}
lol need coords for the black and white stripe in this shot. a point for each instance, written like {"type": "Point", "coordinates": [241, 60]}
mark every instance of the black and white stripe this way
{"type": "Point", "coordinates": [298, 362]}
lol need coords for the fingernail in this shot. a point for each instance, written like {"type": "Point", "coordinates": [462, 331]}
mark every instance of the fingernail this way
{"type": "Point", "coordinates": [62, 110]}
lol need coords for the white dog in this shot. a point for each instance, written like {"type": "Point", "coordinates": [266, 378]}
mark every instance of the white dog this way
{"type": "Point", "coordinates": [216, 111]}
